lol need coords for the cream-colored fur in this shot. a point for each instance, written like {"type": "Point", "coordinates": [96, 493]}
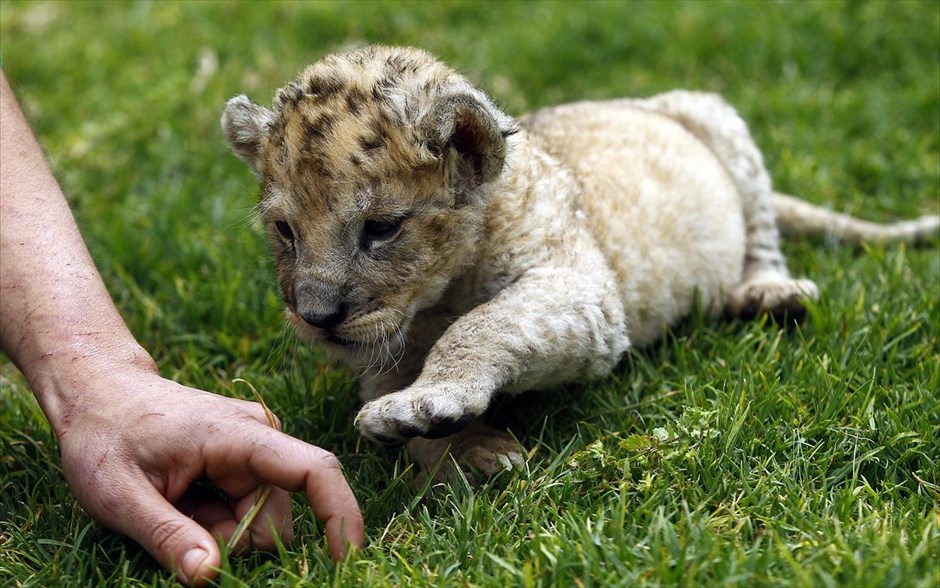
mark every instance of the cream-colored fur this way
{"type": "Point", "coordinates": [450, 253]}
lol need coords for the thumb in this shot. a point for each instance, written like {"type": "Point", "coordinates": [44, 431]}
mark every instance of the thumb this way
{"type": "Point", "coordinates": [179, 543]}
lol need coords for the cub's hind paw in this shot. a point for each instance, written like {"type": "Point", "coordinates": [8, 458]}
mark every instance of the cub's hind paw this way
{"type": "Point", "coordinates": [479, 451]}
{"type": "Point", "coordinates": [783, 298]}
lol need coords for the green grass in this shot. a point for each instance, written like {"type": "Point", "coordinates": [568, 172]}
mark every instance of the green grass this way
{"type": "Point", "coordinates": [729, 454]}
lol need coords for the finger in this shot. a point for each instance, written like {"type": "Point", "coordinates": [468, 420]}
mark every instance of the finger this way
{"type": "Point", "coordinates": [294, 465]}
{"type": "Point", "coordinates": [274, 518]}
{"type": "Point", "coordinates": [222, 517]}
{"type": "Point", "coordinates": [225, 529]}
{"type": "Point", "coordinates": [204, 506]}
{"type": "Point", "coordinates": [179, 543]}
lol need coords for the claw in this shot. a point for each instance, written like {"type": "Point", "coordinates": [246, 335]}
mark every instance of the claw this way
{"type": "Point", "coordinates": [446, 426]}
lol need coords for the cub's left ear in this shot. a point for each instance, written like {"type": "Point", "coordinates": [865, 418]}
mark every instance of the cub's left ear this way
{"type": "Point", "coordinates": [245, 124]}
{"type": "Point", "coordinates": [475, 131]}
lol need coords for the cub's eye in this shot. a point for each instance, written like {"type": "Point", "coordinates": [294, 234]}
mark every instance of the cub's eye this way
{"type": "Point", "coordinates": [380, 229]}
{"type": "Point", "coordinates": [284, 229]}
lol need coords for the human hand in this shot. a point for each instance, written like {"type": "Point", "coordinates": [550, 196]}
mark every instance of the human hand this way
{"type": "Point", "coordinates": [131, 461]}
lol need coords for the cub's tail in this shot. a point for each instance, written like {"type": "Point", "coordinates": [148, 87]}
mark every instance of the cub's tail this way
{"type": "Point", "coordinates": [800, 218]}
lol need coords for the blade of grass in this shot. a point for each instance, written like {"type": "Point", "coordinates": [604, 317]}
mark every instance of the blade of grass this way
{"type": "Point", "coordinates": [249, 517]}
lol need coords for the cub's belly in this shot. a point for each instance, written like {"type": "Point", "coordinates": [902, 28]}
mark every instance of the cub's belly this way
{"type": "Point", "coordinates": [659, 203]}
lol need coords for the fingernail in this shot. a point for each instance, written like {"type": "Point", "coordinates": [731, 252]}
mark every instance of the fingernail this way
{"type": "Point", "coordinates": [192, 562]}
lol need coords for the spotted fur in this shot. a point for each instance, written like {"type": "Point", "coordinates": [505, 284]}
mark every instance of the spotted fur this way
{"type": "Point", "coordinates": [450, 253]}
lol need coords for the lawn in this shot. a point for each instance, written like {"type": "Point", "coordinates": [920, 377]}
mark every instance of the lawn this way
{"type": "Point", "coordinates": [728, 454]}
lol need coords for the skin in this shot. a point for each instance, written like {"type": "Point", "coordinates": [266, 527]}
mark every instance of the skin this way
{"type": "Point", "coordinates": [132, 442]}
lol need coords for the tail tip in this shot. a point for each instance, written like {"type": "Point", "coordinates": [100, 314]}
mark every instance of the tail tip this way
{"type": "Point", "coordinates": [928, 227]}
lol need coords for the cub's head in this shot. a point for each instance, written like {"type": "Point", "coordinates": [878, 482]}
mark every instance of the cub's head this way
{"type": "Point", "coordinates": [374, 168]}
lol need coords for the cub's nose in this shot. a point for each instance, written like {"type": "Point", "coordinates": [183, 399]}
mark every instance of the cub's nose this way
{"type": "Point", "coordinates": [320, 306]}
{"type": "Point", "coordinates": [326, 320]}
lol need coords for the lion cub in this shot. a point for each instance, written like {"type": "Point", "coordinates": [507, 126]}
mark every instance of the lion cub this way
{"type": "Point", "coordinates": [451, 252]}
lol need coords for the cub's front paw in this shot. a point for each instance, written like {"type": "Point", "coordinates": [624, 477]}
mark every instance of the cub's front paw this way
{"type": "Point", "coordinates": [430, 412]}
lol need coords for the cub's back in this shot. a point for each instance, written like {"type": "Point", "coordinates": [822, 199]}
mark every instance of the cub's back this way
{"type": "Point", "coordinates": [659, 203]}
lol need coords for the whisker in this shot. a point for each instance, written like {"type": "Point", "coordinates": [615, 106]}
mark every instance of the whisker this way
{"type": "Point", "coordinates": [280, 350]}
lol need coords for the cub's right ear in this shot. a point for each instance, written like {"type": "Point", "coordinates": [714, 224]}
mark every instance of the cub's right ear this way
{"type": "Point", "coordinates": [245, 124]}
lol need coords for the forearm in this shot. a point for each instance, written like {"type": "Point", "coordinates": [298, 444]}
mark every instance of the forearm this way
{"type": "Point", "coordinates": [57, 321]}
{"type": "Point", "coordinates": [538, 333]}
{"type": "Point", "coordinates": [542, 331]}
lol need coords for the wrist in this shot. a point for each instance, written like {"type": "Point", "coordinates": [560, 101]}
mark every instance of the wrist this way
{"type": "Point", "coordinates": [74, 378]}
